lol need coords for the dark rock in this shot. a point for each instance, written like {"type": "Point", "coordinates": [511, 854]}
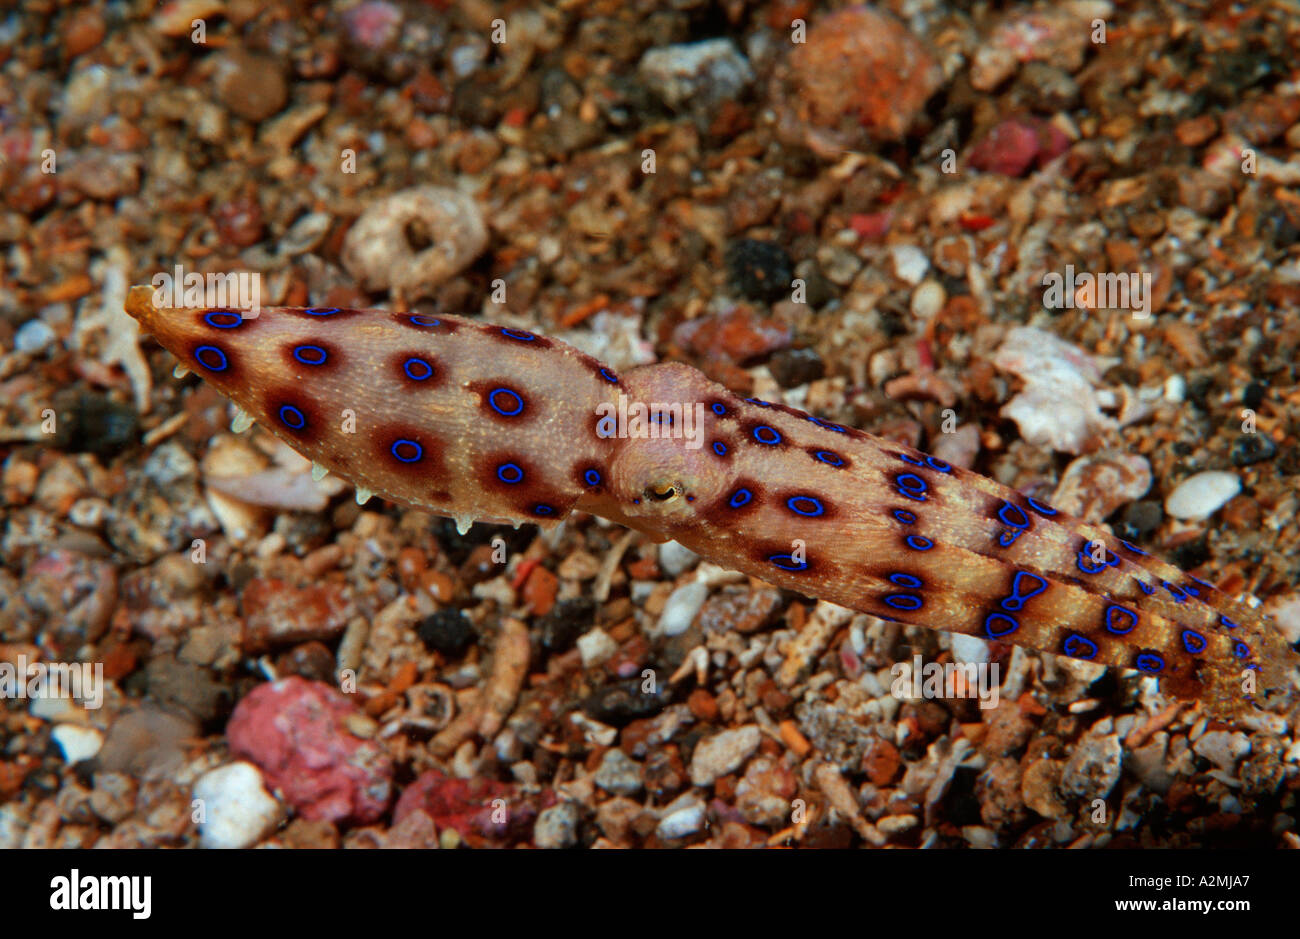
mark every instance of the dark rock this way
{"type": "Point", "coordinates": [760, 270]}
{"type": "Point", "coordinates": [447, 631]}
{"type": "Point", "coordinates": [560, 628]}
{"type": "Point", "coordinates": [1253, 448]}
{"type": "Point", "coordinates": [794, 367]}
{"type": "Point", "coordinates": [89, 422]}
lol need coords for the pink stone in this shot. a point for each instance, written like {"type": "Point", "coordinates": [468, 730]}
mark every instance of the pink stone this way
{"type": "Point", "coordinates": [1014, 145]}
{"type": "Point", "coordinates": [295, 731]}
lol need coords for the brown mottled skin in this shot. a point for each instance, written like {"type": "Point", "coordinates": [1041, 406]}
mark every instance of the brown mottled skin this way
{"type": "Point", "coordinates": [832, 512]}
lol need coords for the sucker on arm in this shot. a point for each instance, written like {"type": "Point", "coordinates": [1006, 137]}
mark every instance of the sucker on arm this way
{"type": "Point", "coordinates": [474, 421]}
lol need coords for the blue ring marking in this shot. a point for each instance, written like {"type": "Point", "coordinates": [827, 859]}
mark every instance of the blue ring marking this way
{"type": "Point", "coordinates": [201, 350]}
{"type": "Point", "coordinates": [1007, 538]}
{"type": "Point", "coordinates": [887, 619]}
{"type": "Point", "coordinates": [520, 334]}
{"type": "Point", "coordinates": [904, 601]}
{"type": "Point", "coordinates": [420, 319]}
{"type": "Point", "coordinates": [718, 409]}
{"type": "Point", "coordinates": [513, 470]}
{"type": "Point", "coordinates": [1076, 644]}
{"type": "Point", "coordinates": [1016, 601]}
{"type": "Point", "coordinates": [772, 436]}
{"type": "Point", "coordinates": [321, 311]}
{"type": "Point", "coordinates": [1224, 621]}
{"type": "Point", "coordinates": [592, 477]}
{"type": "Point", "coordinates": [919, 543]}
{"type": "Point", "coordinates": [1112, 611]}
{"type": "Point", "coordinates": [542, 509]}
{"type": "Point", "coordinates": [740, 497]}
{"type": "Point", "coordinates": [827, 424]}
{"type": "Point", "coordinates": [937, 464]}
{"type": "Point", "coordinates": [1085, 560]}
{"type": "Point", "coordinates": [1132, 547]}
{"type": "Point", "coordinates": [1041, 508]}
{"type": "Point", "coordinates": [1240, 650]}
{"type": "Point", "coordinates": [829, 458]}
{"type": "Point", "coordinates": [912, 460]}
{"type": "Point", "coordinates": [994, 634]}
{"type": "Point", "coordinates": [1205, 584]}
{"type": "Point", "coordinates": [912, 486]}
{"type": "Point", "coordinates": [310, 355]}
{"type": "Point", "coordinates": [719, 448]}
{"type": "Point", "coordinates": [1174, 591]}
{"type": "Point", "coordinates": [417, 369]}
{"type": "Point", "coordinates": [419, 451]}
{"type": "Point", "coordinates": [910, 581]}
{"type": "Point", "coordinates": [1150, 662]}
{"type": "Point", "coordinates": [288, 411]}
{"type": "Point", "coordinates": [1190, 590]}
{"type": "Point", "coordinates": [1146, 588]}
{"type": "Point", "coordinates": [787, 562]}
{"type": "Point", "coordinates": [211, 319]}
{"type": "Point", "coordinates": [1022, 524]}
{"type": "Point", "coordinates": [758, 403]}
{"type": "Point", "coordinates": [608, 376]}
{"type": "Point", "coordinates": [816, 510]}
{"type": "Point", "coordinates": [1193, 641]}
{"type": "Point", "coordinates": [1252, 667]}
{"type": "Point", "coordinates": [904, 516]}
{"type": "Point", "coordinates": [518, 404]}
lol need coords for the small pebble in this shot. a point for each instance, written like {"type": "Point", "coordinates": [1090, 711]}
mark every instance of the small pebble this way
{"type": "Point", "coordinates": [675, 559]}
{"type": "Point", "coordinates": [596, 646]}
{"type": "Point", "coordinates": [760, 270]}
{"type": "Point", "coordinates": [618, 773]}
{"type": "Point", "coordinates": [1202, 495]}
{"type": "Point", "coordinates": [682, 817]}
{"type": "Point", "coordinates": [1253, 448]}
{"type": "Point", "coordinates": [77, 743]}
{"type": "Point", "coordinates": [415, 240]}
{"type": "Point", "coordinates": [33, 336]}
{"type": "Point", "coordinates": [679, 612]}
{"type": "Point", "coordinates": [720, 754]}
{"type": "Point", "coordinates": [447, 631]}
{"type": "Point", "coordinates": [697, 76]}
{"type": "Point", "coordinates": [238, 812]}
{"type": "Point", "coordinates": [557, 827]}
{"type": "Point", "coordinates": [1222, 748]}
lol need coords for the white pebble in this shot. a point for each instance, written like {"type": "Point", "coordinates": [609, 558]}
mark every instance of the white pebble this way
{"type": "Point", "coordinates": [33, 336]}
{"type": "Point", "coordinates": [684, 816]}
{"type": "Point", "coordinates": [77, 743]}
{"type": "Point", "coordinates": [928, 299]}
{"type": "Point", "coordinates": [1202, 495]}
{"type": "Point", "coordinates": [675, 558]}
{"type": "Point", "coordinates": [910, 263]}
{"type": "Point", "coordinates": [681, 608]}
{"type": "Point", "coordinates": [596, 646]}
{"type": "Point", "coordinates": [722, 753]}
{"type": "Point", "coordinates": [237, 810]}
{"type": "Point", "coordinates": [1222, 748]}
{"type": "Point", "coordinates": [1175, 388]}
{"type": "Point", "coordinates": [969, 648]}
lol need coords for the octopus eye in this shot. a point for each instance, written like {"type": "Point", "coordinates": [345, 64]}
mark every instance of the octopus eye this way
{"type": "Point", "coordinates": [662, 492]}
